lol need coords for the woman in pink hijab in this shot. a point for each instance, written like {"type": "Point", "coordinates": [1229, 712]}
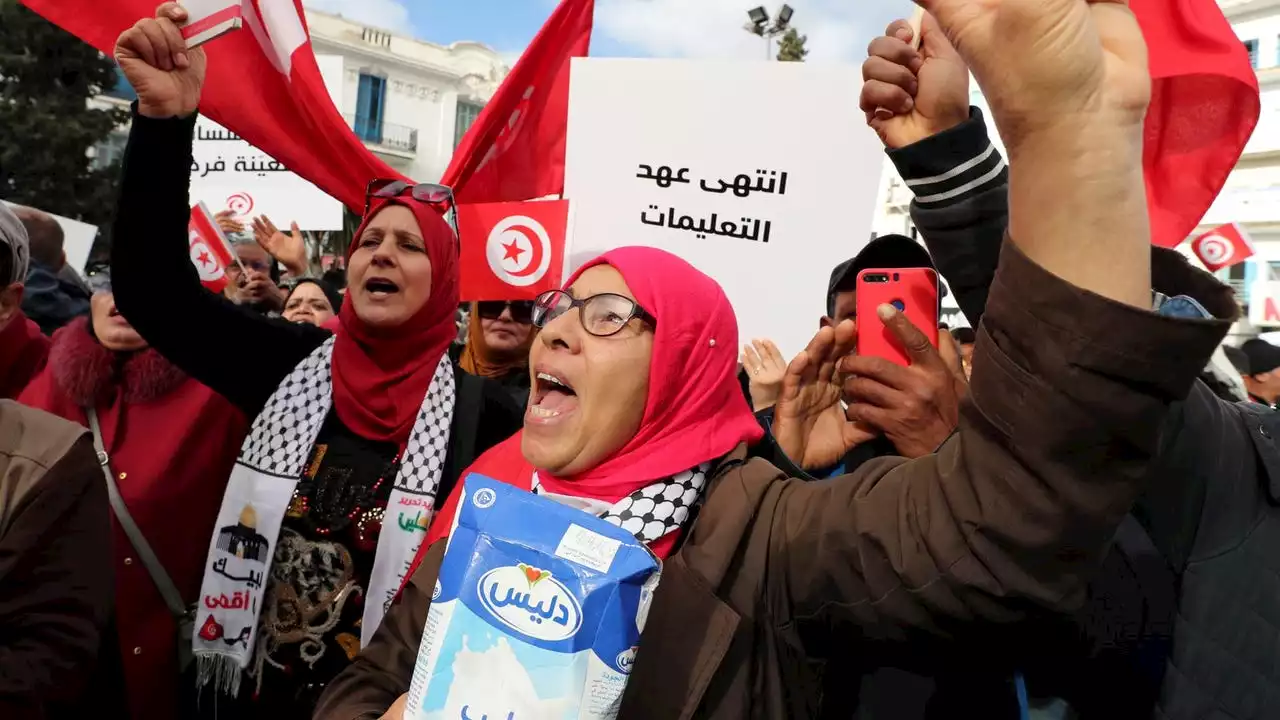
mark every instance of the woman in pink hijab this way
{"type": "Point", "coordinates": [636, 416]}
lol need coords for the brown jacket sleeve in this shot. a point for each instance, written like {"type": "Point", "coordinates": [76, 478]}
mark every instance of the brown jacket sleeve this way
{"type": "Point", "coordinates": [1012, 513]}
{"type": "Point", "coordinates": [381, 672]}
{"type": "Point", "coordinates": [56, 585]}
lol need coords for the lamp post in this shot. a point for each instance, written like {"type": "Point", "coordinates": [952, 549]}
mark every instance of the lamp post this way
{"type": "Point", "coordinates": [759, 24]}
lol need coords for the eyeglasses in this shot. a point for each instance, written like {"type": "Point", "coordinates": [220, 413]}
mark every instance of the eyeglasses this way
{"type": "Point", "coordinates": [601, 315]}
{"type": "Point", "coordinates": [439, 197]}
{"type": "Point", "coordinates": [521, 310]}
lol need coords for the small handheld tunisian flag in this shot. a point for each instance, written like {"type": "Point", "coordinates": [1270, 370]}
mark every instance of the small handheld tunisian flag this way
{"type": "Point", "coordinates": [511, 251]}
{"type": "Point", "coordinates": [515, 149]}
{"type": "Point", "coordinates": [1223, 247]}
{"type": "Point", "coordinates": [210, 252]}
{"type": "Point", "coordinates": [262, 83]}
{"type": "Point", "coordinates": [1204, 106]}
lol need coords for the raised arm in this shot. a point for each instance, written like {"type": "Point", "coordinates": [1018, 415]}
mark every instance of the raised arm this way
{"type": "Point", "coordinates": [1073, 374]}
{"type": "Point", "coordinates": [940, 147]}
{"type": "Point", "coordinates": [156, 287]}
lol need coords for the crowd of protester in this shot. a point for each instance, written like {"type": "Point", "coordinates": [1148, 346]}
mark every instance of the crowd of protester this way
{"type": "Point", "coordinates": [1066, 510]}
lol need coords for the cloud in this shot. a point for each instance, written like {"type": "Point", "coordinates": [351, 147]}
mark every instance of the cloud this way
{"type": "Point", "coordinates": [838, 30]}
{"type": "Point", "coordinates": [385, 14]}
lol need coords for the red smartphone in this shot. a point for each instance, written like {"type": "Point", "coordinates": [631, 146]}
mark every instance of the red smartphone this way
{"type": "Point", "coordinates": [914, 291]}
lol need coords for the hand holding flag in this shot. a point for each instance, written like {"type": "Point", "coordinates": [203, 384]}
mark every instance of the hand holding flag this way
{"type": "Point", "coordinates": [155, 60]}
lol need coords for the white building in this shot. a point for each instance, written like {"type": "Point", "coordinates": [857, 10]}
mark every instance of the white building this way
{"type": "Point", "coordinates": [410, 101]}
{"type": "Point", "coordinates": [1252, 193]}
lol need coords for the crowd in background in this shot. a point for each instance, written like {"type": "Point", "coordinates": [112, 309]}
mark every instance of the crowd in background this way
{"type": "Point", "coordinates": [1066, 510]}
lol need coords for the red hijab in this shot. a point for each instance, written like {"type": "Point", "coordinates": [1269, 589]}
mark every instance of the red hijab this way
{"type": "Point", "coordinates": [695, 411]}
{"type": "Point", "coordinates": [380, 375]}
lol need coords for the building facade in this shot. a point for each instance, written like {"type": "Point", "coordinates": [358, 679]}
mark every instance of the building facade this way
{"type": "Point", "coordinates": [410, 101]}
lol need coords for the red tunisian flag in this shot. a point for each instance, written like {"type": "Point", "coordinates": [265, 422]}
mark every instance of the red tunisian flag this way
{"type": "Point", "coordinates": [1223, 247]}
{"type": "Point", "coordinates": [210, 252]}
{"type": "Point", "coordinates": [1204, 106]}
{"type": "Point", "coordinates": [511, 251]}
{"type": "Point", "coordinates": [262, 83]}
{"type": "Point", "coordinates": [515, 149]}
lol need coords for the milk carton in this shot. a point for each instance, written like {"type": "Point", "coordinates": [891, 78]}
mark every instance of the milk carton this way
{"type": "Point", "coordinates": [536, 615]}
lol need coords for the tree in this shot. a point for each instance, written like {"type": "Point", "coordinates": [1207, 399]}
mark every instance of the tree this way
{"type": "Point", "coordinates": [791, 46]}
{"type": "Point", "coordinates": [47, 77]}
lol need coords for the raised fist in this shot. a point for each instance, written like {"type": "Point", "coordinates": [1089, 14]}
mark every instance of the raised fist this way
{"type": "Point", "coordinates": [908, 94]}
{"type": "Point", "coordinates": [156, 62]}
{"type": "Point", "coordinates": [1047, 63]}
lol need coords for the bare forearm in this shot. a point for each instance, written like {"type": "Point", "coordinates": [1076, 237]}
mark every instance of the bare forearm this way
{"type": "Point", "coordinates": [1077, 208]}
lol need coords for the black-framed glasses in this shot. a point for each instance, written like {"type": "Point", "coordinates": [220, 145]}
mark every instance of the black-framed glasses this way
{"type": "Point", "coordinates": [521, 310]}
{"type": "Point", "coordinates": [439, 197]}
{"type": "Point", "coordinates": [601, 315]}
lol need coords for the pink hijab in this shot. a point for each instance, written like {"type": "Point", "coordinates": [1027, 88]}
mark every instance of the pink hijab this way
{"type": "Point", "coordinates": [695, 411]}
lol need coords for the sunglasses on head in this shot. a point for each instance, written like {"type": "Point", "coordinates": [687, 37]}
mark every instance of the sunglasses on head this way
{"type": "Point", "coordinates": [439, 197]}
{"type": "Point", "coordinates": [521, 310]}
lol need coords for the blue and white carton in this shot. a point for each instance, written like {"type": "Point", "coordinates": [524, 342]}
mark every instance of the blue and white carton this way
{"type": "Point", "coordinates": [536, 615]}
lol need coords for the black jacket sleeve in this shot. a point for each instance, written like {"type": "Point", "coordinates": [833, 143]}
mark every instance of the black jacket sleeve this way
{"type": "Point", "coordinates": [961, 206]}
{"type": "Point", "coordinates": [240, 354]}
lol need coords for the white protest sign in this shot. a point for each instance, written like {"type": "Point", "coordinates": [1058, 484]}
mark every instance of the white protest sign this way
{"type": "Point", "coordinates": [1264, 303]}
{"type": "Point", "coordinates": [762, 175]}
{"type": "Point", "coordinates": [229, 173]}
{"type": "Point", "coordinates": [77, 239]}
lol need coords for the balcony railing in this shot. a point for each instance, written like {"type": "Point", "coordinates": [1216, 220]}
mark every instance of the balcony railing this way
{"type": "Point", "coordinates": [384, 134]}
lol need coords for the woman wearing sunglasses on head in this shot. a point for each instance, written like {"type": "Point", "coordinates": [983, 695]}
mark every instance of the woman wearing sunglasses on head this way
{"type": "Point", "coordinates": [355, 433]}
{"type": "Point", "coordinates": [499, 335]}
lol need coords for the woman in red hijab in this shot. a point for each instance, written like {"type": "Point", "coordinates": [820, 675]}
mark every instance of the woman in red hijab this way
{"type": "Point", "coordinates": [355, 433]}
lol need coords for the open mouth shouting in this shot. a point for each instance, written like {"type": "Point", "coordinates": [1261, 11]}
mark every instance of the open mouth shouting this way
{"type": "Point", "coordinates": [552, 398]}
{"type": "Point", "coordinates": [380, 288]}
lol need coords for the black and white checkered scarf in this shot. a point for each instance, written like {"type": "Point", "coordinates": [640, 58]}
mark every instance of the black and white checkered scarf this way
{"type": "Point", "coordinates": [271, 461]}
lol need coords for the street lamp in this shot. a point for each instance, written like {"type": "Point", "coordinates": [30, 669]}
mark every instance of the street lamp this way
{"type": "Point", "coordinates": [758, 24]}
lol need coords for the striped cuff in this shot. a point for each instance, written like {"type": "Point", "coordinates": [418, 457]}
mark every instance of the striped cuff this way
{"type": "Point", "coordinates": [953, 165]}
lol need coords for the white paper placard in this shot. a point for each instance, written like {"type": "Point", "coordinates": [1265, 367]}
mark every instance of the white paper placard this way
{"type": "Point", "coordinates": [229, 173]}
{"type": "Point", "coordinates": [767, 170]}
{"type": "Point", "coordinates": [77, 239]}
{"type": "Point", "coordinates": [1264, 303]}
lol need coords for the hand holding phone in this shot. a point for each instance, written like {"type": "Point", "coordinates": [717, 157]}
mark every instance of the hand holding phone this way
{"type": "Point", "coordinates": [913, 291]}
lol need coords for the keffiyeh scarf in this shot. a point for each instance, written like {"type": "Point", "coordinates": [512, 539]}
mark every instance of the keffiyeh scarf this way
{"type": "Point", "coordinates": [272, 459]}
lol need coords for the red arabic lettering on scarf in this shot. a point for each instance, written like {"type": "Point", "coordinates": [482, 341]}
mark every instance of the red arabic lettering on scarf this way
{"type": "Point", "coordinates": [695, 411]}
{"type": "Point", "coordinates": [380, 375]}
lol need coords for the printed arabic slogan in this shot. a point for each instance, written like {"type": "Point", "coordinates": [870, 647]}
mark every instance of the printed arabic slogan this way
{"type": "Point", "coordinates": [720, 168]}
{"type": "Point", "coordinates": [229, 173]}
{"type": "Point", "coordinates": [766, 181]}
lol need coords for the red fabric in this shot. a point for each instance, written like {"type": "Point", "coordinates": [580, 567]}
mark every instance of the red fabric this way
{"type": "Point", "coordinates": [172, 456]}
{"type": "Point", "coordinates": [1204, 106]}
{"type": "Point", "coordinates": [513, 251]}
{"type": "Point", "coordinates": [380, 376]}
{"type": "Point", "coordinates": [515, 148]}
{"type": "Point", "coordinates": [263, 84]}
{"type": "Point", "coordinates": [23, 351]}
{"type": "Point", "coordinates": [689, 417]}
{"type": "Point", "coordinates": [1223, 247]}
{"type": "Point", "coordinates": [210, 253]}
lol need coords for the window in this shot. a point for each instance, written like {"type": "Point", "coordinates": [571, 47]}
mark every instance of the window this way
{"type": "Point", "coordinates": [371, 98]}
{"type": "Point", "coordinates": [464, 119]}
{"type": "Point", "coordinates": [110, 151]}
{"type": "Point", "coordinates": [122, 90]}
{"type": "Point", "coordinates": [1252, 47]}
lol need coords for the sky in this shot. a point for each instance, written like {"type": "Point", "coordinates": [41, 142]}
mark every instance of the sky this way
{"type": "Point", "coordinates": [838, 30]}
